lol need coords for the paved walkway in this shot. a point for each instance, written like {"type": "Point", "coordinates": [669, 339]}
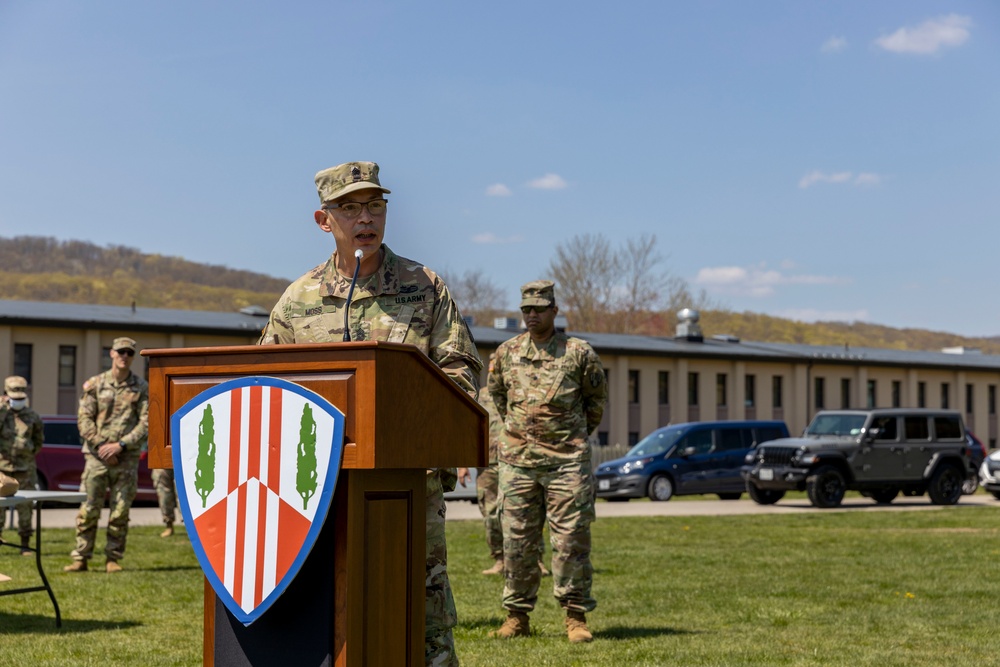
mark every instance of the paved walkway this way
{"type": "Point", "coordinates": [463, 510]}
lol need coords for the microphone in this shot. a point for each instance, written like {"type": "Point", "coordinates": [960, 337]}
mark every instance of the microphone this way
{"type": "Point", "coordinates": [358, 254]}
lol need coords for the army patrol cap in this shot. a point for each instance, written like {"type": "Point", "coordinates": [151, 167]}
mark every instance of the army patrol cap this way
{"type": "Point", "coordinates": [123, 343]}
{"type": "Point", "coordinates": [16, 386]}
{"type": "Point", "coordinates": [346, 178]}
{"type": "Point", "coordinates": [538, 293]}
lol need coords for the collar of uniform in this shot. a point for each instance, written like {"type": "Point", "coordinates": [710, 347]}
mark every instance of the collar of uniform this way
{"type": "Point", "coordinates": [544, 352]}
{"type": "Point", "coordinates": [386, 278]}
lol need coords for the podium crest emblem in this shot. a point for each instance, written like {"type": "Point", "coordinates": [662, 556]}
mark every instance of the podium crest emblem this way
{"type": "Point", "coordinates": [256, 461]}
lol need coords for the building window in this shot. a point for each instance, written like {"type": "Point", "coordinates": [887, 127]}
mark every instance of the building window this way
{"type": "Point", "coordinates": [633, 438]}
{"type": "Point", "coordinates": [602, 438]}
{"type": "Point", "coordinates": [845, 392]}
{"type": "Point", "coordinates": [968, 399]}
{"type": "Point", "coordinates": [750, 391]}
{"type": "Point", "coordinates": [720, 390]}
{"type": "Point", "coordinates": [897, 393]}
{"type": "Point", "coordinates": [67, 365]}
{"type": "Point", "coordinates": [22, 360]}
{"type": "Point", "coordinates": [633, 387]}
{"type": "Point", "coordinates": [870, 394]}
{"type": "Point", "coordinates": [921, 394]}
{"type": "Point", "coordinates": [692, 389]}
{"type": "Point", "coordinates": [945, 391]}
{"type": "Point", "coordinates": [663, 380]}
{"type": "Point", "coordinates": [991, 399]}
{"type": "Point", "coordinates": [819, 391]}
{"type": "Point", "coordinates": [777, 391]}
{"type": "Point", "coordinates": [105, 359]}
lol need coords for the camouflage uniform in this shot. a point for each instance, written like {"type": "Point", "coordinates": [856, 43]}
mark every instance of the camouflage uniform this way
{"type": "Point", "coordinates": [19, 460]}
{"type": "Point", "coordinates": [486, 485]}
{"type": "Point", "coordinates": [110, 412]}
{"type": "Point", "coordinates": [550, 396]}
{"type": "Point", "coordinates": [166, 494]}
{"type": "Point", "coordinates": [403, 302]}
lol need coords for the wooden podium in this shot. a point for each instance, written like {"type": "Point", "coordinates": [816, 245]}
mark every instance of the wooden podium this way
{"type": "Point", "coordinates": [359, 597]}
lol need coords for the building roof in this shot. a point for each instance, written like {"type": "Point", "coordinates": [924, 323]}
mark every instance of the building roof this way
{"type": "Point", "coordinates": [251, 320]}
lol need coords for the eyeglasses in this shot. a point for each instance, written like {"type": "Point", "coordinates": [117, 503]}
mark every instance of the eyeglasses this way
{"type": "Point", "coordinates": [538, 309]}
{"type": "Point", "coordinates": [352, 209]}
{"type": "Point", "coordinates": [126, 352]}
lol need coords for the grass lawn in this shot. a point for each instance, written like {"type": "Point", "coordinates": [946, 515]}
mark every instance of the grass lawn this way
{"type": "Point", "coordinates": [828, 588]}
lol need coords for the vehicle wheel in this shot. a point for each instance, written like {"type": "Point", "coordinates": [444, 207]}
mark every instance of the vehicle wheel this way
{"type": "Point", "coordinates": [945, 487]}
{"type": "Point", "coordinates": [660, 488]}
{"type": "Point", "coordinates": [884, 496]}
{"type": "Point", "coordinates": [970, 485]}
{"type": "Point", "coordinates": [729, 496]}
{"type": "Point", "coordinates": [826, 487]}
{"type": "Point", "coordinates": [995, 494]}
{"type": "Point", "coordinates": [764, 496]}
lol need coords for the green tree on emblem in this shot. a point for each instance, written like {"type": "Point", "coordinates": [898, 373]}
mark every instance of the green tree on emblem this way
{"type": "Point", "coordinates": [204, 474]}
{"type": "Point", "coordinates": [305, 478]}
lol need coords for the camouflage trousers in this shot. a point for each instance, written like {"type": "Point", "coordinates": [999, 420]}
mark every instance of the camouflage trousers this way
{"type": "Point", "coordinates": [166, 493]}
{"type": "Point", "coordinates": [99, 479]}
{"type": "Point", "coordinates": [439, 608]}
{"type": "Point", "coordinates": [565, 493]}
{"type": "Point", "coordinates": [28, 479]}
{"type": "Point", "coordinates": [486, 494]}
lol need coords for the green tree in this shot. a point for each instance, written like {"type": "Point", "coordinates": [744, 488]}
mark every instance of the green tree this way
{"type": "Point", "coordinates": [305, 477]}
{"type": "Point", "coordinates": [204, 474]}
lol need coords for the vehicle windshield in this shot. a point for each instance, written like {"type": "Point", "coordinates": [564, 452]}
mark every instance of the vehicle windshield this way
{"type": "Point", "coordinates": [836, 425]}
{"type": "Point", "coordinates": [657, 442]}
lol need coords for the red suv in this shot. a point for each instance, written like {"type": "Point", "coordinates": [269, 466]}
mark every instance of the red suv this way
{"type": "Point", "coordinates": [60, 462]}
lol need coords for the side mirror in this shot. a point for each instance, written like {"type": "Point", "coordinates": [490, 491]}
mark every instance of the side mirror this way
{"type": "Point", "coordinates": [871, 434]}
{"type": "Point", "coordinates": [688, 451]}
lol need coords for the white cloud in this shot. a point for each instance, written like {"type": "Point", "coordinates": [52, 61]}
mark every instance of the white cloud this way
{"type": "Point", "coordinates": [816, 315]}
{"type": "Point", "coordinates": [489, 238]}
{"type": "Point", "coordinates": [834, 45]}
{"type": "Point", "coordinates": [929, 37]}
{"type": "Point", "coordinates": [756, 281]}
{"type": "Point", "coordinates": [548, 182]}
{"type": "Point", "coordinates": [816, 176]}
{"type": "Point", "coordinates": [498, 190]}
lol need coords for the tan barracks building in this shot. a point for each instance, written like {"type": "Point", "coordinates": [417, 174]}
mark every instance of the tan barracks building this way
{"type": "Point", "coordinates": [653, 380]}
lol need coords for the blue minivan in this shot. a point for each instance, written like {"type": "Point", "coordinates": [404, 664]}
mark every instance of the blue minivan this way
{"type": "Point", "coordinates": [685, 459]}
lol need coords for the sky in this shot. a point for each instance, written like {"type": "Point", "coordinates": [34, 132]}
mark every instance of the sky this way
{"type": "Point", "coordinates": [803, 159]}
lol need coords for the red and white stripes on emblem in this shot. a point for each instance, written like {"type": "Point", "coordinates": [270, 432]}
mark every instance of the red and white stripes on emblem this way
{"type": "Point", "coordinates": [262, 533]}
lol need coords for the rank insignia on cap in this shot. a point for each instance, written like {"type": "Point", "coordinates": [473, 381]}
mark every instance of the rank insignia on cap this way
{"type": "Point", "coordinates": [355, 174]}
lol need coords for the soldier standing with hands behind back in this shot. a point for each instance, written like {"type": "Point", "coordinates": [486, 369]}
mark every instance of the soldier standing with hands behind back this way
{"type": "Point", "coordinates": [114, 420]}
{"type": "Point", "coordinates": [550, 390]}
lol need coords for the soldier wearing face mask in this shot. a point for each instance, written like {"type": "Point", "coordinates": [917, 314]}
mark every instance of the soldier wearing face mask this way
{"type": "Point", "coordinates": [25, 440]}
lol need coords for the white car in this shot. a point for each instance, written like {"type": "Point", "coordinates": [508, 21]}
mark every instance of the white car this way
{"type": "Point", "coordinates": [989, 473]}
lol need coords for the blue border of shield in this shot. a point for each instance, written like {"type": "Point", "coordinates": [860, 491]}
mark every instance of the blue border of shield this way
{"type": "Point", "coordinates": [326, 499]}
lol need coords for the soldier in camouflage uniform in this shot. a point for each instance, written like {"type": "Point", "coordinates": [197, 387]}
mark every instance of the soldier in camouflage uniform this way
{"type": "Point", "coordinates": [166, 497]}
{"type": "Point", "coordinates": [487, 493]}
{"type": "Point", "coordinates": [19, 461]}
{"type": "Point", "coordinates": [396, 300]}
{"type": "Point", "coordinates": [550, 390]}
{"type": "Point", "coordinates": [114, 420]}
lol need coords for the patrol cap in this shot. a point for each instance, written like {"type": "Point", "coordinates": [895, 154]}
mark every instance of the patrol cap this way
{"type": "Point", "coordinates": [346, 178]}
{"type": "Point", "coordinates": [16, 386]}
{"type": "Point", "coordinates": [538, 293]}
{"type": "Point", "coordinates": [123, 343]}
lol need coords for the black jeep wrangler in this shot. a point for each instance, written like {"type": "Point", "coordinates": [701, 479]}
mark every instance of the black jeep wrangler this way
{"type": "Point", "coordinates": [879, 452]}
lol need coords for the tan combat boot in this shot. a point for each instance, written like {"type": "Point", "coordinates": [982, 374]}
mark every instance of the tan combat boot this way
{"type": "Point", "coordinates": [516, 625]}
{"type": "Point", "coordinates": [576, 628]}
{"type": "Point", "coordinates": [168, 531]}
{"type": "Point", "coordinates": [112, 567]}
{"type": "Point", "coordinates": [26, 545]}
{"type": "Point", "coordinates": [77, 566]}
{"type": "Point", "coordinates": [8, 485]}
{"type": "Point", "coordinates": [496, 569]}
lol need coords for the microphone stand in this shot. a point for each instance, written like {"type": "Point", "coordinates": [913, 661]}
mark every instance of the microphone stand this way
{"type": "Point", "coordinates": [350, 295]}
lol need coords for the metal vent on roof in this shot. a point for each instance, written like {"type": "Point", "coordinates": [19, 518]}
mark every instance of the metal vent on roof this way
{"type": "Point", "coordinates": [726, 338]}
{"type": "Point", "coordinates": [961, 349]}
{"type": "Point", "coordinates": [687, 325]}
{"type": "Point", "coordinates": [256, 311]}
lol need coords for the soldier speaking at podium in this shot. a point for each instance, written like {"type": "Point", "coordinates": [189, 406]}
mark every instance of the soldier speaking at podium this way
{"type": "Point", "coordinates": [396, 300]}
